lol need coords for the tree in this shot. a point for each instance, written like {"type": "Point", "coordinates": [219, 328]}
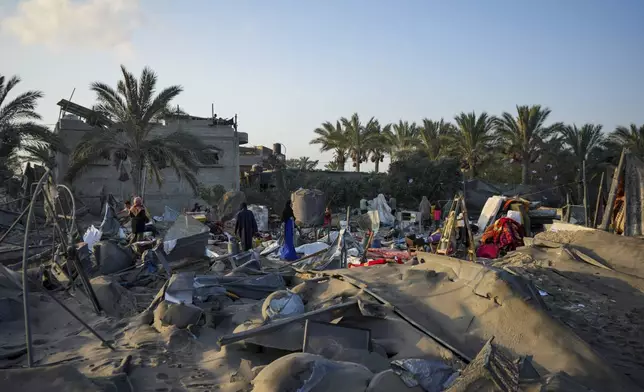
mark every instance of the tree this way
{"type": "Point", "coordinates": [403, 138]}
{"type": "Point", "coordinates": [333, 166]}
{"type": "Point", "coordinates": [379, 142]}
{"type": "Point", "coordinates": [302, 163]}
{"type": "Point", "coordinates": [524, 135]}
{"type": "Point", "coordinates": [583, 143]}
{"type": "Point", "coordinates": [333, 138]}
{"type": "Point", "coordinates": [631, 138]}
{"type": "Point", "coordinates": [134, 109]}
{"type": "Point", "coordinates": [433, 138]}
{"type": "Point", "coordinates": [472, 139]}
{"type": "Point", "coordinates": [18, 128]}
{"type": "Point", "coordinates": [358, 139]}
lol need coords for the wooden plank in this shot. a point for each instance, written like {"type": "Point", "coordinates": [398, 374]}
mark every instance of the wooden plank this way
{"type": "Point", "coordinates": [235, 337]}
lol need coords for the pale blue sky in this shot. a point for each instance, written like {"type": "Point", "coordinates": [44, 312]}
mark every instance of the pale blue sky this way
{"type": "Point", "coordinates": [286, 66]}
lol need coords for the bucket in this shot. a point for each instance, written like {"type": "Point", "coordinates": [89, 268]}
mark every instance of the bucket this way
{"type": "Point", "coordinates": [233, 247]}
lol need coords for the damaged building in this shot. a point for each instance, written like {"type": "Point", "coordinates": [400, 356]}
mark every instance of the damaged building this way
{"type": "Point", "coordinates": [102, 177]}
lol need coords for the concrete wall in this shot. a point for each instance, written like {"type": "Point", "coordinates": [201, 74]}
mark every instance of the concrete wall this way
{"type": "Point", "coordinates": [174, 193]}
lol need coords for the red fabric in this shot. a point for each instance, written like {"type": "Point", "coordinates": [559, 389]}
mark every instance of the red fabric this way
{"type": "Point", "coordinates": [390, 253]}
{"type": "Point", "coordinates": [327, 219]}
{"type": "Point", "coordinates": [372, 262]}
{"type": "Point", "coordinates": [505, 233]}
{"type": "Point", "coordinates": [489, 251]}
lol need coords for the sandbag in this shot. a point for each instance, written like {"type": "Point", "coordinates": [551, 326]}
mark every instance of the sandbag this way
{"type": "Point", "coordinates": [308, 207]}
{"type": "Point", "coordinates": [230, 204]}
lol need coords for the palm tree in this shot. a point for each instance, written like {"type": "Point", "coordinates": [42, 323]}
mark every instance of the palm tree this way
{"type": "Point", "coordinates": [358, 139]}
{"type": "Point", "coordinates": [525, 134]}
{"type": "Point", "coordinates": [134, 109]}
{"type": "Point", "coordinates": [333, 138]}
{"type": "Point", "coordinates": [631, 138]}
{"type": "Point", "coordinates": [17, 123]}
{"type": "Point", "coordinates": [403, 138]}
{"type": "Point", "coordinates": [302, 163]}
{"type": "Point", "coordinates": [432, 136]}
{"type": "Point", "coordinates": [379, 144]}
{"type": "Point", "coordinates": [582, 142]}
{"type": "Point", "coordinates": [333, 166]}
{"type": "Point", "coordinates": [472, 139]}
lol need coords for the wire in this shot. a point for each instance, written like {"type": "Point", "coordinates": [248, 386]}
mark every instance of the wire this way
{"type": "Point", "coordinates": [25, 279]}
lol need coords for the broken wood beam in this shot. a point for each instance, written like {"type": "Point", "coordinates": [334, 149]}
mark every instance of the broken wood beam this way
{"type": "Point", "coordinates": [235, 337]}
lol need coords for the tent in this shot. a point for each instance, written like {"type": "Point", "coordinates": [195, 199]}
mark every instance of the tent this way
{"type": "Point", "coordinates": [625, 207]}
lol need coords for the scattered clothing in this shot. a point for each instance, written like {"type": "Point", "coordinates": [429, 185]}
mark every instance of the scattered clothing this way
{"type": "Point", "coordinates": [287, 251]}
{"type": "Point", "coordinates": [505, 233]}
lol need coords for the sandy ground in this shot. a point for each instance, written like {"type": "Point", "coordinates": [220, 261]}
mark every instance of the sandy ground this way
{"type": "Point", "coordinates": [589, 325]}
{"type": "Point", "coordinates": [605, 308]}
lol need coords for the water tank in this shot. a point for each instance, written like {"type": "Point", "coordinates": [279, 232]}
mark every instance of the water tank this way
{"type": "Point", "coordinates": [277, 148]}
{"type": "Point", "coordinates": [308, 207]}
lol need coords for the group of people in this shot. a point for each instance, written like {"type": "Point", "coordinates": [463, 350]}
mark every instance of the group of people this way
{"type": "Point", "coordinates": [246, 229]}
{"type": "Point", "coordinates": [137, 214]}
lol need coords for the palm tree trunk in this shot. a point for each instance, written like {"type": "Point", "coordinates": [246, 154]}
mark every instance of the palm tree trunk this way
{"type": "Point", "coordinates": [137, 177]}
{"type": "Point", "coordinates": [525, 169]}
{"type": "Point", "coordinates": [358, 165]}
{"type": "Point", "coordinates": [377, 164]}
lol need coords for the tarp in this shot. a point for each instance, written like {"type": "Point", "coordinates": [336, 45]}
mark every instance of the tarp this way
{"type": "Point", "coordinates": [634, 190]}
{"type": "Point", "coordinates": [110, 226]}
{"type": "Point", "coordinates": [332, 258]}
{"type": "Point", "coordinates": [384, 211]}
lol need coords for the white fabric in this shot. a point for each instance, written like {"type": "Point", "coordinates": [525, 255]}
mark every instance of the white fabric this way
{"type": "Point", "coordinates": [384, 211]}
{"type": "Point", "coordinates": [490, 209]}
{"type": "Point", "coordinates": [92, 236]}
{"type": "Point", "coordinates": [309, 249]}
{"type": "Point", "coordinates": [515, 216]}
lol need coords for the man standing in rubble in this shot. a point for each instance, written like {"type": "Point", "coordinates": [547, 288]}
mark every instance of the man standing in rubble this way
{"type": "Point", "coordinates": [245, 227]}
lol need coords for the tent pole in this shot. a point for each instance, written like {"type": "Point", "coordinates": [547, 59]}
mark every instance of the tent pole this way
{"type": "Point", "coordinates": [610, 202]}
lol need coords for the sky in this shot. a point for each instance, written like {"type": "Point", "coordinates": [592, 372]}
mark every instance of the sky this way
{"type": "Point", "coordinates": [286, 66]}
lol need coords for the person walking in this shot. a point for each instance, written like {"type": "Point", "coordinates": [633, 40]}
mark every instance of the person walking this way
{"type": "Point", "coordinates": [245, 227]}
{"type": "Point", "coordinates": [138, 218]}
{"type": "Point", "coordinates": [287, 251]}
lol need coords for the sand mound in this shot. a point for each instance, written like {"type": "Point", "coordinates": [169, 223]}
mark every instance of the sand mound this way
{"type": "Point", "coordinates": [466, 304]}
{"type": "Point", "coordinates": [296, 370]}
{"type": "Point", "coordinates": [115, 300]}
{"type": "Point", "coordinates": [623, 254]}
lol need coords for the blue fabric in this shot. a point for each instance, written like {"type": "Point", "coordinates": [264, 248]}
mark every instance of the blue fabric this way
{"type": "Point", "coordinates": [287, 251]}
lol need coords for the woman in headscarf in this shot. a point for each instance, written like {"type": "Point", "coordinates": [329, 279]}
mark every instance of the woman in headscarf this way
{"type": "Point", "coordinates": [287, 251]}
{"type": "Point", "coordinates": [139, 218]}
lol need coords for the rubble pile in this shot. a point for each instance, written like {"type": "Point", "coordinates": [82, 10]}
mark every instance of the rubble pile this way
{"type": "Point", "coordinates": [378, 300]}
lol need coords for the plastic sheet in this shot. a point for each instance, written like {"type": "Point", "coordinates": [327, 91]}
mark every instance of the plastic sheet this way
{"type": "Point", "coordinates": [332, 258]}
{"type": "Point", "coordinates": [384, 211]}
{"type": "Point", "coordinates": [430, 375]}
{"type": "Point", "coordinates": [309, 249]}
{"type": "Point", "coordinates": [261, 216]}
{"type": "Point", "coordinates": [110, 225]}
{"type": "Point", "coordinates": [92, 236]}
{"type": "Point", "coordinates": [170, 215]}
{"type": "Point", "coordinates": [282, 304]}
